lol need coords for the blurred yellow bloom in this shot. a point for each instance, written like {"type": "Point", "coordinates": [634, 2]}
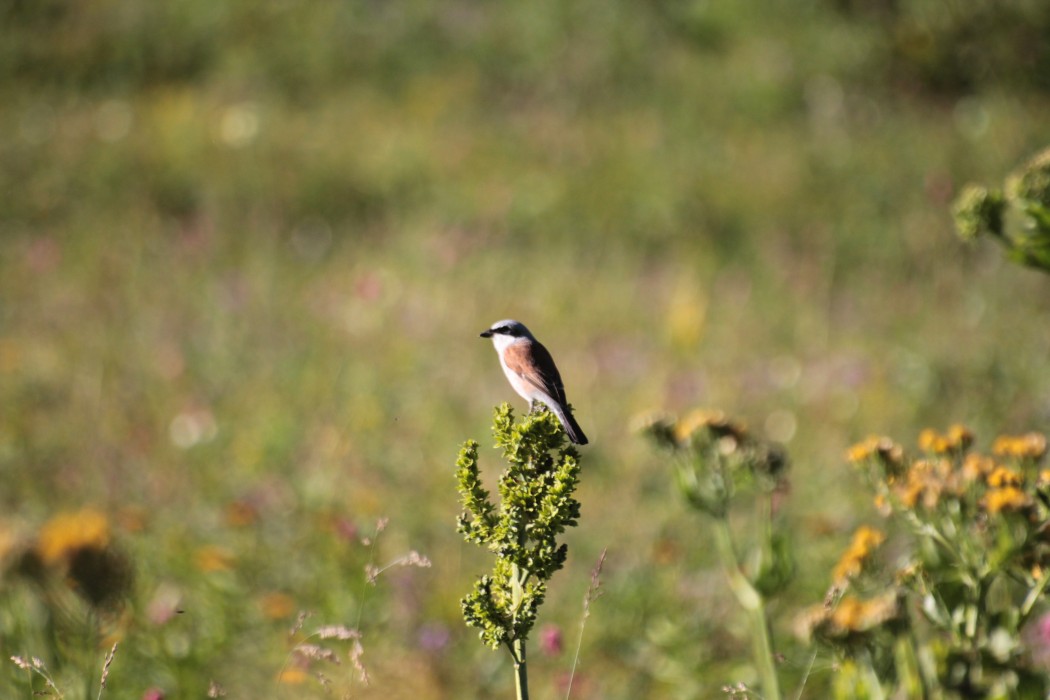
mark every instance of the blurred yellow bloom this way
{"type": "Point", "coordinates": [909, 493]}
{"type": "Point", "coordinates": [855, 615]}
{"type": "Point", "coordinates": [932, 441]}
{"type": "Point", "coordinates": [876, 446]}
{"type": "Point", "coordinates": [1002, 476]}
{"type": "Point", "coordinates": [69, 532]}
{"type": "Point", "coordinates": [292, 676]}
{"type": "Point", "coordinates": [277, 606]}
{"type": "Point", "coordinates": [865, 541]}
{"type": "Point", "coordinates": [957, 439]}
{"type": "Point", "coordinates": [213, 558]}
{"type": "Point", "coordinates": [976, 467]}
{"type": "Point", "coordinates": [848, 613]}
{"type": "Point", "coordinates": [1028, 446]}
{"type": "Point", "coordinates": [715, 420]}
{"type": "Point", "coordinates": [862, 450]}
{"type": "Point", "coordinates": [1008, 498]}
{"type": "Point", "coordinates": [850, 617]}
{"type": "Point", "coordinates": [960, 437]}
{"type": "Point", "coordinates": [926, 480]}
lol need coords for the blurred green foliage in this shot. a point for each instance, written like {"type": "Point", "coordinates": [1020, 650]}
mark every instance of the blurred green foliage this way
{"type": "Point", "coordinates": [1016, 216]}
{"type": "Point", "coordinates": [246, 247]}
{"type": "Point", "coordinates": [714, 459]}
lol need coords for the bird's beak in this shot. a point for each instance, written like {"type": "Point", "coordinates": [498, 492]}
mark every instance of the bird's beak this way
{"type": "Point", "coordinates": [487, 334]}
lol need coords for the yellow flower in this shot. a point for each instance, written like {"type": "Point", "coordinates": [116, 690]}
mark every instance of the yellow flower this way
{"type": "Point", "coordinates": [1027, 446]}
{"type": "Point", "coordinates": [848, 613]}
{"type": "Point", "coordinates": [1002, 476]}
{"type": "Point", "coordinates": [212, 558]}
{"type": "Point", "coordinates": [1008, 498]}
{"type": "Point", "coordinates": [884, 448]}
{"type": "Point", "coordinates": [976, 467]}
{"type": "Point", "coordinates": [851, 616]}
{"type": "Point", "coordinates": [67, 533]}
{"type": "Point", "coordinates": [960, 437]}
{"type": "Point", "coordinates": [292, 676]}
{"type": "Point", "coordinates": [865, 541]}
{"type": "Point", "coordinates": [277, 606]}
{"type": "Point", "coordinates": [860, 451]}
{"type": "Point", "coordinates": [715, 421]}
{"type": "Point", "coordinates": [957, 439]}
{"type": "Point", "coordinates": [932, 441]}
{"type": "Point", "coordinates": [855, 615]}
{"type": "Point", "coordinates": [909, 493]}
{"type": "Point", "coordinates": [927, 480]}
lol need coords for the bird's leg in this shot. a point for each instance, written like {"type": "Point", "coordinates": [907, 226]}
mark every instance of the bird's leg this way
{"type": "Point", "coordinates": [532, 404]}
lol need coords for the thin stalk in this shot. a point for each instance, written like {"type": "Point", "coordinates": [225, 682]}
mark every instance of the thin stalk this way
{"type": "Point", "coordinates": [751, 600]}
{"type": "Point", "coordinates": [517, 651]}
{"type": "Point", "coordinates": [521, 674]}
{"type": "Point", "coordinates": [1034, 595]}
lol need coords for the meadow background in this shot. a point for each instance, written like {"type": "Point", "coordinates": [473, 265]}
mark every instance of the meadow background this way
{"type": "Point", "coordinates": [246, 249]}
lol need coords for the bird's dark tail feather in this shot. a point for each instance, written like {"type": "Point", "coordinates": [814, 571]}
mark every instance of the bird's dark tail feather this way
{"type": "Point", "coordinates": [572, 428]}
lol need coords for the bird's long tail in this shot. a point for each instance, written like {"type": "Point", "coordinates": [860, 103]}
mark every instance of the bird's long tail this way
{"type": "Point", "coordinates": [572, 428]}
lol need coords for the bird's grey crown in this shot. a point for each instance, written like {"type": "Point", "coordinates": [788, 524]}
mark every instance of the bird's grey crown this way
{"type": "Point", "coordinates": [510, 327]}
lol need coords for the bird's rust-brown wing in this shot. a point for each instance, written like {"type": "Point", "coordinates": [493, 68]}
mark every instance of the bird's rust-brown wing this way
{"type": "Point", "coordinates": [531, 361]}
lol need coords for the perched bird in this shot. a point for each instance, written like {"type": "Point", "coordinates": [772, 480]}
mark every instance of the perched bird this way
{"type": "Point", "coordinates": [531, 371]}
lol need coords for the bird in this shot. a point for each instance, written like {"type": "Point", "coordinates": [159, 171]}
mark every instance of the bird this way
{"type": "Point", "coordinates": [531, 371]}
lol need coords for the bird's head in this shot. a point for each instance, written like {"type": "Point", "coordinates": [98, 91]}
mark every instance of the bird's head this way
{"type": "Point", "coordinates": [504, 332]}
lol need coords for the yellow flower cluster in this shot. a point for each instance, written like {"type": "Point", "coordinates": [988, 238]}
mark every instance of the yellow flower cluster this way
{"type": "Point", "coordinates": [66, 533]}
{"type": "Point", "coordinates": [957, 439]}
{"type": "Point", "coordinates": [925, 481]}
{"type": "Point", "coordinates": [1001, 477]}
{"type": "Point", "coordinates": [1027, 446]}
{"type": "Point", "coordinates": [865, 541]}
{"type": "Point", "coordinates": [1008, 498]}
{"type": "Point", "coordinates": [996, 483]}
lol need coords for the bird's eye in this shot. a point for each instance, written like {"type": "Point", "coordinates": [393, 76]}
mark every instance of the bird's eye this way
{"type": "Point", "coordinates": [503, 329]}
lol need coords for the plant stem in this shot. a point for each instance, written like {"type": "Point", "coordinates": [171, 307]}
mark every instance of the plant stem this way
{"type": "Point", "coordinates": [521, 674]}
{"type": "Point", "coordinates": [751, 600]}
{"type": "Point", "coordinates": [1034, 595]}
